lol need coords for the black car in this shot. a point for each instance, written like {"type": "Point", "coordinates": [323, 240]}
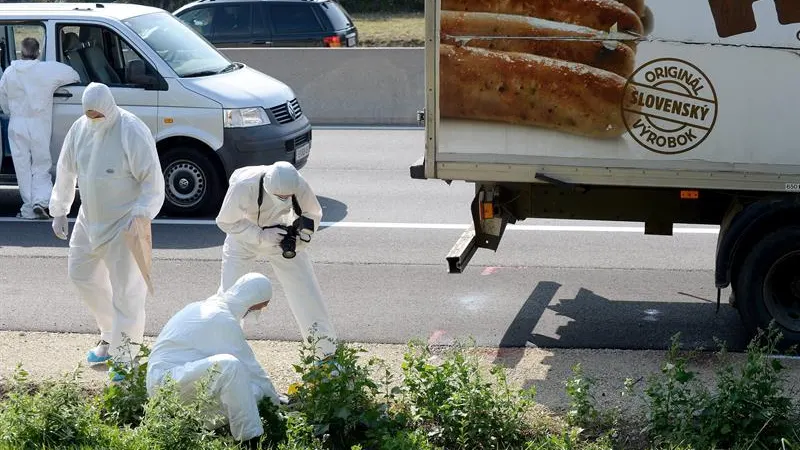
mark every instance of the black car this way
{"type": "Point", "coordinates": [271, 23]}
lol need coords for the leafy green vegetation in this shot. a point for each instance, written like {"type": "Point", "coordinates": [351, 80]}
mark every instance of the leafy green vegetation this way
{"type": "Point", "coordinates": [438, 401]}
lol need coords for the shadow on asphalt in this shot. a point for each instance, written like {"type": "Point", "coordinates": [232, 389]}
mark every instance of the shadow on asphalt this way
{"type": "Point", "coordinates": [593, 321]}
{"type": "Point", "coordinates": [165, 236]}
{"type": "Point", "coordinates": [332, 210]}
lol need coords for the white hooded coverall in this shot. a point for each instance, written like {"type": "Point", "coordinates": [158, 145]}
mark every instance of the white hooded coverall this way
{"type": "Point", "coordinates": [26, 94]}
{"type": "Point", "coordinates": [237, 218]}
{"type": "Point", "coordinates": [205, 334]}
{"type": "Point", "coordinates": [116, 165]}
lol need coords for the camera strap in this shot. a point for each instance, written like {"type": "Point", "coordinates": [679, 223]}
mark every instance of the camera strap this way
{"type": "Point", "coordinates": [295, 204]}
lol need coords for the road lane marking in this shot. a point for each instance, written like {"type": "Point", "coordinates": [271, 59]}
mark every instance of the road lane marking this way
{"type": "Point", "coordinates": [369, 127]}
{"type": "Point", "coordinates": [441, 226]}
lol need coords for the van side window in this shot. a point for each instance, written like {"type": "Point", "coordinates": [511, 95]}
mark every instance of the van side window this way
{"type": "Point", "coordinates": [12, 37]}
{"type": "Point", "coordinates": [294, 18]}
{"type": "Point", "coordinates": [101, 55]}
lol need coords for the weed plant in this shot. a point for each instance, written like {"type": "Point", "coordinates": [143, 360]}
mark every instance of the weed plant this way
{"type": "Point", "coordinates": [439, 402]}
{"type": "Point", "coordinates": [748, 409]}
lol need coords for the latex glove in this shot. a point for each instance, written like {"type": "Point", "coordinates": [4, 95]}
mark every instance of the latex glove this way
{"type": "Point", "coordinates": [272, 235]}
{"type": "Point", "coordinates": [134, 219]}
{"type": "Point", "coordinates": [61, 227]}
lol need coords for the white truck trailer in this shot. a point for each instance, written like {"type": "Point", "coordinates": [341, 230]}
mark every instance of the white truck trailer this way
{"type": "Point", "coordinates": [654, 111]}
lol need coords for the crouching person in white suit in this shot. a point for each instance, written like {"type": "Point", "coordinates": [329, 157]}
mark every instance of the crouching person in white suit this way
{"type": "Point", "coordinates": [208, 334]}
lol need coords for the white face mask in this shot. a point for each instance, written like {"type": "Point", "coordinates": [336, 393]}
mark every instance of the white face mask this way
{"type": "Point", "coordinates": [250, 318]}
{"type": "Point", "coordinates": [97, 123]}
{"type": "Point", "coordinates": [282, 201]}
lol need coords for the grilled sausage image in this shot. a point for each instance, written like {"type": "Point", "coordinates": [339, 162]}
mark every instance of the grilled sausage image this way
{"type": "Point", "coordinates": [601, 15]}
{"type": "Point", "coordinates": [485, 30]}
{"type": "Point", "coordinates": [524, 89]}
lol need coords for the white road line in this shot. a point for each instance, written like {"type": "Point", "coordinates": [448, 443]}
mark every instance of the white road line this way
{"type": "Point", "coordinates": [443, 226]}
{"type": "Point", "coordinates": [369, 127]}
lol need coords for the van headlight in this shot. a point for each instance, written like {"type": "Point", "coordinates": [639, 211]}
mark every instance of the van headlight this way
{"type": "Point", "coordinates": [245, 117]}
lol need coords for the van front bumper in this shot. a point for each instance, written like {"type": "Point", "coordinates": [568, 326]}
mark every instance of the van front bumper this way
{"type": "Point", "coordinates": [265, 145]}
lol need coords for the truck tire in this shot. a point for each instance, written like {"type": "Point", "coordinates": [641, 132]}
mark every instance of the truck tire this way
{"type": "Point", "coordinates": [192, 184]}
{"type": "Point", "coordinates": [768, 286]}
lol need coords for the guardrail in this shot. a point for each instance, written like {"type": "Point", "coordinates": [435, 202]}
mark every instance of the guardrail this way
{"type": "Point", "coordinates": [347, 86]}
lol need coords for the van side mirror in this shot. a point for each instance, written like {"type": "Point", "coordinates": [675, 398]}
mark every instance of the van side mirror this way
{"type": "Point", "coordinates": [137, 73]}
{"type": "Point", "coordinates": [156, 84]}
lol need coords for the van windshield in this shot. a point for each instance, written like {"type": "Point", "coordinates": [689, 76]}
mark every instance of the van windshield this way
{"type": "Point", "coordinates": [186, 52]}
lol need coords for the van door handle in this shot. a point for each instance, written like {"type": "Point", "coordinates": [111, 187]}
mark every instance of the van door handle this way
{"type": "Point", "coordinates": [261, 42]}
{"type": "Point", "coordinates": [66, 94]}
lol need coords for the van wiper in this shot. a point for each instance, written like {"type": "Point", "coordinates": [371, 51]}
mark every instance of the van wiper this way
{"type": "Point", "coordinates": [202, 73]}
{"type": "Point", "coordinates": [231, 67]}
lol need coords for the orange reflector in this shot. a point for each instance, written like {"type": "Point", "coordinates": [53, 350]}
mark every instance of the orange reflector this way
{"type": "Point", "coordinates": [488, 211]}
{"type": "Point", "coordinates": [690, 195]}
{"type": "Point", "coordinates": [168, 120]}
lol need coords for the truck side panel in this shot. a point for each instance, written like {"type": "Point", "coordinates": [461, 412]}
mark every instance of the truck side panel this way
{"type": "Point", "coordinates": [660, 93]}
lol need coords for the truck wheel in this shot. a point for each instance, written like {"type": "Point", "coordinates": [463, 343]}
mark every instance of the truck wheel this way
{"type": "Point", "coordinates": [192, 184]}
{"type": "Point", "coordinates": [768, 287]}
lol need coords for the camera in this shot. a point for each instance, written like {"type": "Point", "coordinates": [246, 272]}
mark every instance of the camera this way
{"type": "Point", "coordinates": [289, 242]}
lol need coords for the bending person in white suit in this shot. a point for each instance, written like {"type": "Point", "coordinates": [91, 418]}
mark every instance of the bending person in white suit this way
{"type": "Point", "coordinates": [258, 199]}
{"type": "Point", "coordinates": [112, 155]}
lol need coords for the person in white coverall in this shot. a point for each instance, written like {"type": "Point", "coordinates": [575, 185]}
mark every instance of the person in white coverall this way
{"type": "Point", "coordinates": [26, 94]}
{"type": "Point", "coordinates": [112, 155]}
{"type": "Point", "coordinates": [208, 334]}
{"type": "Point", "coordinates": [248, 236]}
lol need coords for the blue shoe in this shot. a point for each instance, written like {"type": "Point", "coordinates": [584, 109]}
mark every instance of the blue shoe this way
{"type": "Point", "coordinates": [98, 355]}
{"type": "Point", "coordinates": [115, 377]}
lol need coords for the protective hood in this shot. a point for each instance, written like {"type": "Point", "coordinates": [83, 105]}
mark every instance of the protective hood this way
{"type": "Point", "coordinates": [249, 290]}
{"type": "Point", "coordinates": [24, 65]}
{"type": "Point", "coordinates": [98, 97]}
{"type": "Point", "coordinates": [281, 179]}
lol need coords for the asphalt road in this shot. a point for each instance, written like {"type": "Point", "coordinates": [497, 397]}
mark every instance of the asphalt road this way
{"type": "Point", "coordinates": [381, 264]}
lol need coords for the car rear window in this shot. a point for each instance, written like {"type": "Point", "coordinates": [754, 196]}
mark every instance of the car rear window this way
{"type": "Point", "coordinates": [338, 16]}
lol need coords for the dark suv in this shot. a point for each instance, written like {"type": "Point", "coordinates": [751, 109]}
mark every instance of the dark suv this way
{"type": "Point", "coordinates": [271, 23]}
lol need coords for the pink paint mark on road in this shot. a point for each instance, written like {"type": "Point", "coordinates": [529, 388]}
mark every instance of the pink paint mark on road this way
{"type": "Point", "coordinates": [436, 336]}
{"type": "Point", "coordinates": [490, 270]}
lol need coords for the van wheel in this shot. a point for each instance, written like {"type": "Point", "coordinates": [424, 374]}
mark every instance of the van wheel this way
{"type": "Point", "coordinates": [768, 287]}
{"type": "Point", "coordinates": [192, 184]}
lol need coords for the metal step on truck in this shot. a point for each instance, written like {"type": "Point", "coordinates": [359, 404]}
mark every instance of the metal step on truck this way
{"type": "Point", "coordinates": [656, 111]}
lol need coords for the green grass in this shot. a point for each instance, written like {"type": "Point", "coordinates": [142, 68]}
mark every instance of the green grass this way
{"type": "Point", "coordinates": [439, 400]}
{"type": "Point", "coordinates": [391, 30]}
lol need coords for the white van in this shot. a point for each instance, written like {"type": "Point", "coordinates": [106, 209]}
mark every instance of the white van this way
{"type": "Point", "coordinates": [209, 115]}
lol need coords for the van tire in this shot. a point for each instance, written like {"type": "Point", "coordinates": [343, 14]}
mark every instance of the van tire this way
{"type": "Point", "coordinates": [192, 183]}
{"type": "Point", "coordinates": [766, 274]}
